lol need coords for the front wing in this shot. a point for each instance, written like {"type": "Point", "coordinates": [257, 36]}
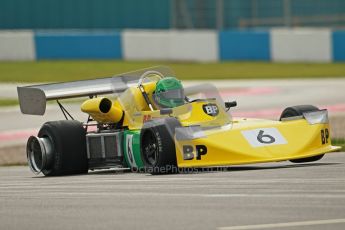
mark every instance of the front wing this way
{"type": "Point", "coordinates": [255, 141]}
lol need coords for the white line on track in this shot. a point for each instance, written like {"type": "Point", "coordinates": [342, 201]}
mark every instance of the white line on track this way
{"type": "Point", "coordinates": [55, 193]}
{"type": "Point", "coordinates": [298, 195]}
{"type": "Point", "coordinates": [284, 225]}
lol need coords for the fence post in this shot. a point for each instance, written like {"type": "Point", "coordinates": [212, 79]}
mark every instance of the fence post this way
{"type": "Point", "coordinates": [220, 14]}
{"type": "Point", "coordinates": [287, 13]}
{"type": "Point", "coordinates": [173, 23]}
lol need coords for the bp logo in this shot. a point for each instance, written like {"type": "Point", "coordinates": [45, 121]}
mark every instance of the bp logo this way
{"type": "Point", "coordinates": [189, 153]}
{"type": "Point", "coordinates": [211, 109]}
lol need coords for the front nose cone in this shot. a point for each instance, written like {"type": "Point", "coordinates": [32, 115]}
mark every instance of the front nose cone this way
{"type": "Point", "coordinates": [39, 153]}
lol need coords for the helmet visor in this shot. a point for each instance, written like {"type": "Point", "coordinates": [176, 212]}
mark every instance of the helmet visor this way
{"type": "Point", "coordinates": [172, 94]}
{"type": "Point", "coordinates": [170, 98]}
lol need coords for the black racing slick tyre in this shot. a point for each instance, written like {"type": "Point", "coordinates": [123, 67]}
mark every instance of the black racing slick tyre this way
{"type": "Point", "coordinates": [158, 147]}
{"type": "Point", "coordinates": [68, 144]}
{"type": "Point", "coordinates": [307, 159]}
{"type": "Point", "coordinates": [298, 111]}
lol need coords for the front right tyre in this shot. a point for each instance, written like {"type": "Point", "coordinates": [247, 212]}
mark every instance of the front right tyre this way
{"type": "Point", "coordinates": [298, 110]}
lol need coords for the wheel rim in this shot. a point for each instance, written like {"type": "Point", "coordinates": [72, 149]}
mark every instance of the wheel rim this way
{"type": "Point", "coordinates": [39, 153]}
{"type": "Point", "coordinates": [150, 148]}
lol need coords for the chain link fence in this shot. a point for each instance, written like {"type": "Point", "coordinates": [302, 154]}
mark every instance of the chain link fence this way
{"type": "Point", "coordinates": [226, 14]}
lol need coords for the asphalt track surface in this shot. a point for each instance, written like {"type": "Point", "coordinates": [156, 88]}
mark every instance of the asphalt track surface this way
{"type": "Point", "coordinates": [263, 196]}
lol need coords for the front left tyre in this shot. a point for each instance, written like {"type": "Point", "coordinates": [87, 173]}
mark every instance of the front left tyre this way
{"type": "Point", "coordinates": [58, 149]}
{"type": "Point", "coordinates": [158, 146]}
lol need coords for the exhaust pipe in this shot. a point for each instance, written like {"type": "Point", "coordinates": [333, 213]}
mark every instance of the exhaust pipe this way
{"type": "Point", "coordinates": [39, 151]}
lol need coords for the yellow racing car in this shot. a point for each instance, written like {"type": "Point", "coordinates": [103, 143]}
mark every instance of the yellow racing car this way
{"type": "Point", "coordinates": [147, 121]}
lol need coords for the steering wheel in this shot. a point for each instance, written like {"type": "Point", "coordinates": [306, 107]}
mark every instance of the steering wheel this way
{"type": "Point", "coordinates": [140, 85]}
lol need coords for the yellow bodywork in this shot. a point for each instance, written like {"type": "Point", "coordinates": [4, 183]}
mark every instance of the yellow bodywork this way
{"type": "Point", "coordinates": [225, 141]}
{"type": "Point", "coordinates": [129, 103]}
{"type": "Point", "coordinates": [230, 147]}
{"type": "Point", "coordinates": [92, 107]}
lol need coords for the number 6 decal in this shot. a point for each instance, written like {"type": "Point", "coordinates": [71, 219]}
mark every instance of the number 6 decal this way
{"type": "Point", "coordinates": [264, 137]}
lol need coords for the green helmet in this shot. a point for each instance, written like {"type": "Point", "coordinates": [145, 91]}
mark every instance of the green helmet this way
{"type": "Point", "coordinates": [169, 93]}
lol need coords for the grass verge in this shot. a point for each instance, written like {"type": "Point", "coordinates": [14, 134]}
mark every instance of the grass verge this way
{"type": "Point", "coordinates": [339, 142]}
{"type": "Point", "coordinates": [8, 102]}
{"type": "Point", "coordinates": [14, 164]}
{"type": "Point", "coordinates": [40, 71]}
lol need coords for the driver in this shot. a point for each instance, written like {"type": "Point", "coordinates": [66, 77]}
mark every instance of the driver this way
{"type": "Point", "coordinates": [169, 93]}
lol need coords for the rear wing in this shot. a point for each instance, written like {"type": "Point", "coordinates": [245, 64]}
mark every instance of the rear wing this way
{"type": "Point", "coordinates": [33, 99]}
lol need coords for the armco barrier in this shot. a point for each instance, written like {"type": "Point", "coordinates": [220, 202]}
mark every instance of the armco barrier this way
{"type": "Point", "coordinates": [244, 45]}
{"type": "Point", "coordinates": [17, 45]}
{"type": "Point", "coordinates": [279, 45]}
{"type": "Point", "coordinates": [78, 45]}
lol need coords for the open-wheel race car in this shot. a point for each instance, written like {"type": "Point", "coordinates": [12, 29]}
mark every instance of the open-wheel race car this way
{"type": "Point", "coordinates": [147, 121]}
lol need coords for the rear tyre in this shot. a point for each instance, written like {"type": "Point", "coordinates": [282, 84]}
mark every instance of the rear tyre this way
{"type": "Point", "coordinates": [66, 142]}
{"type": "Point", "coordinates": [157, 146]}
{"type": "Point", "coordinates": [298, 111]}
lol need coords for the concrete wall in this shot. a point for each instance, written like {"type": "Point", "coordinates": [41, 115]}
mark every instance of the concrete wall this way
{"type": "Point", "coordinates": [78, 45]}
{"type": "Point", "coordinates": [279, 45]}
{"type": "Point", "coordinates": [244, 45]}
{"type": "Point", "coordinates": [296, 45]}
{"type": "Point", "coordinates": [338, 45]}
{"type": "Point", "coordinates": [170, 45]}
{"type": "Point", "coordinates": [17, 45]}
